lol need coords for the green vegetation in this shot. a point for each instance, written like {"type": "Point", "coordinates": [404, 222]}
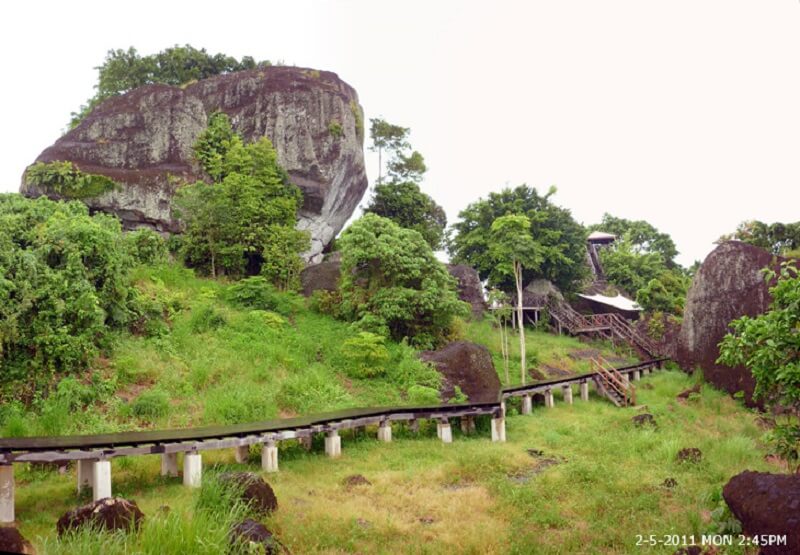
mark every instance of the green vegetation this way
{"type": "Point", "coordinates": [66, 180]}
{"type": "Point", "coordinates": [243, 222]}
{"type": "Point", "coordinates": [642, 263]}
{"type": "Point", "coordinates": [560, 238]}
{"type": "Point", "coordinates": [389, 137]}
{"type": "Point", "coordinates": [335, 129]}
{"type": "Point", "coordinates": [391, 284]}
{"type": "Point", "coordinates": [124, 70]}
{"type": "Point", "coordinates": [407, 206]}
{"type": "Point", "coordinates": [605, 487]}
{"type": "Point", "coordinates": [778, 238]}
{"type": "Point", "coordinates": [65, 288]}
{"type": "Point", "coordinates": [768, 346]}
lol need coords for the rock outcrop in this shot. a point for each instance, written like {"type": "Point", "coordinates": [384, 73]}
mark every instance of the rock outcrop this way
{"type": "Point", "coordinates": [729, 284]}
{"type": "Point", "coordinates": [470, 288]}
{"type": "Point", "coordinates": [109, 513]}
{"type": "Point", "coordinates": [250, 536]}
{"type": "Point", "coordinates": [767, 504]}
{"type": "Point", "coordinates": [468, 366]}
{"type": "Point", "coordinates": [254, 490]}
{"type": "Point", "coordinates": [323, 276]}
{"type": "Point", "coordinates": [143, 140]}
{"type": "Point", "coordinates": [11, 541]}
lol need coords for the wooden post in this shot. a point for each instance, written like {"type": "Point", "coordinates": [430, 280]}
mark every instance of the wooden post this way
{"type": "Point", "coordinates": [241, 453]}
{"type": "Point", "coordinates": [83, 468]}
{"type": "Point", "coordinates": [646, 371]}
{"type": "Point", "coordinates": [269, 457]}
{"type": "Point", "coordinates": [498, 428]}
{"type": "Point", "coordinates": [101, 480]}
{"type": "Point", "coordinates": [567, 389]}
{"type": "Point", "coordinates": [169, 464]}
{"type": "Point", "coordinates": [584, 391]}
{"type": "Point", "coordinates": [6, 493]}
{"type": "Point", "coordinates": [527, 404]}
{"type": "Point", "coordinates": [333, 444]}
{"type": "Point", "coordinates": [549, 402]}
{"type": "Point", "coordinates": [192, 470]}
{"type": "Point", "coordinates": [467, 425]}
{"type": "Point", "coordinates": [385, 431]}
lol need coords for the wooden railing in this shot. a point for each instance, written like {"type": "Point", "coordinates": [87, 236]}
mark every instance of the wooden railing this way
{"type": "Point", "coordinates": [613, 381]}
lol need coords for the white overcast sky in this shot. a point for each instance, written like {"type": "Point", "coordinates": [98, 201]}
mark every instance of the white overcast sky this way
{"type": "Point", "coordinates": [685, 113]}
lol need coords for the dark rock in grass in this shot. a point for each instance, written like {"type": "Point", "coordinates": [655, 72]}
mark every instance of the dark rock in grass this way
{"type": "Point", "coordinates": [427, 520]}
{"type": "Point", "coordinates": [11, 541]}
{"type": "Point", "coordinates": [255, 491]}
{"type": "Point", "coordinates": [643, 420]}
{"type": "Point", "coordinates": [689, 455]}
{"type": "Point", "coordinates": [537, 374]}
{"type": "Point", "coordinates": [535, 453]}
{"type": "Point", "coordinates": [356, 480]}
{"type": "Point", "coordinates": [767, 504]}
{"type": "Point", "coordinates": [468, 366]}
{"type": "Point", "coordinates": [321, 277]}
{"type": "Point", "coordinates": [670, 483]}
{"type": "Point", "coordinates": [250, 536]}
{"type": "Point", "coordinates": [109, 513]}
{"type": "Point", "coordinates": [685, 394]}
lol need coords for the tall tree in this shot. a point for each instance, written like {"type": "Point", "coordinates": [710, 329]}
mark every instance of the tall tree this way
{"type": "Point", "coordinates": [561, 238]}
{"type": "Point", "coordinates": [512, 248]}
{"type": "Point", "coordinates": [386, 136]}
{"type": "Point", "coordinates": [642, 236]}
{"type": "Point", "coordinates": [778, 238]}
{"type": "Point", "coordinates": [407, 168]}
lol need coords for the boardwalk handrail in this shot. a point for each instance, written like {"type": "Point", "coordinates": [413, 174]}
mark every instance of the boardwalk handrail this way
{"type": "Point", "coordinates": [611, 378]}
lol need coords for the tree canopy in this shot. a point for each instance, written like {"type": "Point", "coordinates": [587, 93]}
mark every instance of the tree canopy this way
{"type": "Point", "coordinates": [406, 205]}
{"type": "Point", "coordinates": [124, 70]}
{"type": "Point", "coordinates": [244, 221]}
{"type": "Point", "coordinates": [560, 240]}
{"type": "Point", "coordinates": [769, 346]}
{"type": "Point", "coordinates": [778, 238]}
{"type": "Point", "coordinates": [392, 284]}
{"type": "Point", "coordinates": [642, 237]}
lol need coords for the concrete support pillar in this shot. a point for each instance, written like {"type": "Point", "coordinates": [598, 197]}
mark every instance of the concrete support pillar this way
{"type": "Point", "coordinates": [527, 404]}
{"type": "Point", "coordinates": [626, 379]}
{"type": "Point", "coordinates": [241, 452]}
{"type": "Point", "coordinates": [169, 465]}
{"type": "Point", "coordinates": [549, 402]}
{"type": "Point", "coordinates": [84, 470]}
{"type": "Point", "coordinates": [646, 371]}
{"type": "Point", "coordinates": [6, 494]}
{"type": "Point", "coordinates": [498, 429]}
{"type": "Point", "coordinates": [101, 480]}
{"type": "Point", "coordinates": [445, 431]}
{"type": "Point", "coordinates": [333, 444]}
{"type": "Point", "coordinates": [269, 457]}
{"type": "Point", "coordinates": [385, 432]}
{"type": "Point", "coordinates": [192, 470]}
{"type": "Point", "coordinates": [567, 389]}
{"type": "Point", "coordinates": [636, 376]}
{"type": "Point", "coordinates": [584, 391]}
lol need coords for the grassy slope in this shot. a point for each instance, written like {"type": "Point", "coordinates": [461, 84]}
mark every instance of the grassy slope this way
{"type": "Point", "coordinates": [425, 497]}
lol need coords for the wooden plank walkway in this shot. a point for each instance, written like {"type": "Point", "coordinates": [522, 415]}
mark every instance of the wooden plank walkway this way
{"type": "Point", "coordinates": [93, 453]}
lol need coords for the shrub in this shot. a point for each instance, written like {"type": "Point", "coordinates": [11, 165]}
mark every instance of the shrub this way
{"type": "Point", "coordinates": [267, 318]}
{"type": "Point", "coordinates": [365, 355]}
{"type": "Point", "coordinates": [312, 391]}
{"type": "Point", "coordinates": [335, 129]}
{"type": "Point", "coordinates": [151, 404]}
{"type": "Point", "coordinates": [422, 395]}
{"type": "Point", "coordinates": [146, 246]}
{"type": "Point", "coordinates": [258, 293]}
{"type": "Point", "coordinates": [326, 302]}
{"type": "Point", "coordinates": [237, 404]}
{"type": "Point", "coordinates": [206, 318]}
{"type": "Point", "coordinates": [65, 179]}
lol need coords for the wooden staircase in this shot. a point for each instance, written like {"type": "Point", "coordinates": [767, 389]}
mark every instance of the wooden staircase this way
{"type": "Point", "coordinates": [612, 384]}
{"type": "Point", "coordinates": [567, 318]}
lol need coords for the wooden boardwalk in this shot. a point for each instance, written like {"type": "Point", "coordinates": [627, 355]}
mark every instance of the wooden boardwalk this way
{"type": "Point", "coordinates": [93, 453]}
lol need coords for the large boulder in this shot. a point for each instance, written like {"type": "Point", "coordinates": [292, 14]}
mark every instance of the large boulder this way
{"type": "Point", "coordinates": [729, 284]}
{"type": "Point", "coordinates": [323, 276]}
{"type": "Point", "coordinates": [767, 504]}
{"type": "Point", "coordinates": [468, 366]}
{"type": "Point", "coordinates": [470, 288]}
{"type": "Point", "coordinates": [11, 541]}
{"type": "Point", "coordinates": [143, 140]}
{"type": "Point", "coordinates": [109, 513]}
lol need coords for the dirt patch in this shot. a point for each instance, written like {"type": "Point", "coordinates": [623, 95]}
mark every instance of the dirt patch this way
{"type": "Point", "coordinates": [556, 372]}
{"type": "Point", "coordinates": [644, 420]}
{"type": "Point", "coordinates": [541, 463]}
{"type": "Point", "coordinates": [355, 480]}
{"type": "Point", "coordinates": [537, 374]}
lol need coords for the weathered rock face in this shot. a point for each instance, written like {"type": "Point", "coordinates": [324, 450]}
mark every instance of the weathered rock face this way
{"type": "Point", "coordinates": [143, 140]}
{"type": "Point", "coordinates": [767, 504]}
{"type": "Point", "coordinates": [254, 490]}
{"type": "Point", "coordinates": [470, 288]}
{"type": "Point", "coordinates": [728, 285]}
{"type": "Point", "coordinates": [323, 276]}
{"type": "Point", "coordinates": [468, 366]}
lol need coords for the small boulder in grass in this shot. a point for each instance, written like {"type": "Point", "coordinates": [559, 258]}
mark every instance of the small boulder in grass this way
{"type": "Point", "coordinates": [644, 420]}
{"type": "Point", "coordinates": [11, 541]}
{"type": "Point", "coordinates": [254, 537]}
{"type": "Point", "coordinates": [355, 480]}
{"type": "Point", "coordinates": [689, 455]}
{"type": "Point", "coordinates": [109, 513]}
{"type": "Point", "coordinates": [255, 491]}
